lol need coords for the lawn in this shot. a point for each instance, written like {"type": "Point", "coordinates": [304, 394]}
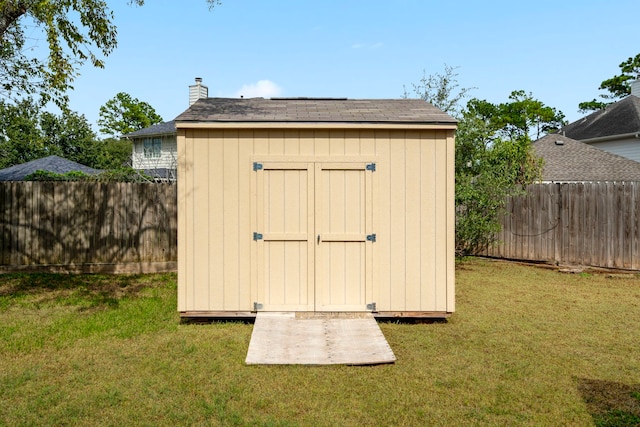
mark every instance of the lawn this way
{"type": "Point", "coordinates": [527, 346]}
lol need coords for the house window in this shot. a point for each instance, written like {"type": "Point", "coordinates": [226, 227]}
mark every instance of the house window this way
{"type": "Point", "coordinates": [152, 147]}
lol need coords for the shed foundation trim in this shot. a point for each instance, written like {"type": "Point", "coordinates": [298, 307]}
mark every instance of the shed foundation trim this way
{"type": "Point", "coordinates": [216, 315]}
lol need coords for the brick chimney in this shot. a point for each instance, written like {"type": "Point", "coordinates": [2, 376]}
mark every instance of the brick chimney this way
{"type": "Point", "coordinates": [635, 87]}
{"type": "Point", "coordinates": [197, 91]}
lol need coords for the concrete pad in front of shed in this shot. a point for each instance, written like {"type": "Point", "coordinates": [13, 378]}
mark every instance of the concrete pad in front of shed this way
{"type": "Point", "coordinates": [317, 339]}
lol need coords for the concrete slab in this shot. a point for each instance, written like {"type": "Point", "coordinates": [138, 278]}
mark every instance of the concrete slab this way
{"type": "Point", "coordinates": [285, 338]}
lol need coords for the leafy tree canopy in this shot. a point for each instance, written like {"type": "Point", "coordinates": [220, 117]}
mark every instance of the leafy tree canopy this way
{"type": "Point", "coordinates": [617, 86]}
{"type": "Point", "coordinates": [493, 158]}
{"type": "Point", "coordinates": [441, 90]}
{"type": "Point", "coordinates": [75, 32]}
{"type": "Point", "coordinates": [27, 133]}
{"type": "Point", "coordinates": [520, 115]}
{"type": "Point", "coordinates": [124, 114]}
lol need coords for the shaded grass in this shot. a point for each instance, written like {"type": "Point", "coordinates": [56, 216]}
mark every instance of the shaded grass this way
{"type": "Point", "coordinates": [527, 346]}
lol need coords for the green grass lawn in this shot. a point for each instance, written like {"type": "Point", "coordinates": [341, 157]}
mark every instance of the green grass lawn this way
{"type": "Point", "coordinates": [527, 346]}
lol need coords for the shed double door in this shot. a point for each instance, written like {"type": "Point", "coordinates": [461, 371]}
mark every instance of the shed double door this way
{"type": "Point", "coordinates": [314, 236]}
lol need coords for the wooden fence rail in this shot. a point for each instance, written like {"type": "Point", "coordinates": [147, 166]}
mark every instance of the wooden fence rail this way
{"type": "Point", "coordinates": [592, 224]}
{"type": "Point", "coordinates": [88, 226]}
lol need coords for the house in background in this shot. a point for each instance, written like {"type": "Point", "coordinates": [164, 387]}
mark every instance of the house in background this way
{"type": "Point", "coordinates": [615, 129]}
{"type": "Point", "coordinates": [569, 160]}
{"type": "Point", "coordinates": [155, 151]}
{"type": "Point", "coordinates": [53, 164]}
{"type": "Point", "coordinates": [155, 148]}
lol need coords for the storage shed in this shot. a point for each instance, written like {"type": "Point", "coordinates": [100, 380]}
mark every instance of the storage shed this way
{"type": "Point", "coordinates": [308, 204]}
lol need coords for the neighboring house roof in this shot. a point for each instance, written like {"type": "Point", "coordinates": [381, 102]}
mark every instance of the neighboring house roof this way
{"type": "Point", "coordinates": [49, 164]}
{"type": "Point", "coordinates": [315, 110]}
{"type": "Point", "coordinates": [566, 159]}
{"type": "Point", "coordinates": [166, 128]}
{"type": "Point", "coordinates": [619, 118]}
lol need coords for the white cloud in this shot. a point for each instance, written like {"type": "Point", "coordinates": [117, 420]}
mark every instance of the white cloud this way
{"type": "Point", "coordinates": [262, 88]}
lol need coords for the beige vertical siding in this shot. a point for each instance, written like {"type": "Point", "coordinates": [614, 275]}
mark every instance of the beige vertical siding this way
{"type": "Point", "coordinates": [411, 199]}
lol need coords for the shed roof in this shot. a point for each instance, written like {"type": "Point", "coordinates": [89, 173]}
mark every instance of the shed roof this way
{"type": "Point", "coordinates": [619, 118]}
{"type": "Point", "coordinates": [566, 159]}
{"type": "Point", "coordinates": [315, 110]}
{"type": "Point", "coordinates": [49, 164]}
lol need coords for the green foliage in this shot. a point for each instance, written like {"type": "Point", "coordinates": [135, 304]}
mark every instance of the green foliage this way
{"type": "Point", "coordinates": [122, 174]}
{"type": "Point", "coordinates": [20, 136]}
{"type": "Point", "coordinates": [489, 168]}
{"type": "Point", "coordinates": [41, 175]}
{"type": "Point", "coordinates": [124, 114]}
{"type": "Point", "coordinates": [494, 161]}
{"type": "Point", "coordinates": [112, 153]}
{"type": "Point", "coordinates": [618, 86]}
{"type": "Point", "coordinates": [75, 32]}
{"type": "Point", "coordinates": [493, 153]}
{"type": "Point", "coordinates": [27, 133]}
{"type": "Point", "coordinates": [441, 90]}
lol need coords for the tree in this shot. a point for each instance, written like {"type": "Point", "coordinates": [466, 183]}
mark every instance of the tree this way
{"type": "Point", "coordinates": [75, 31]}
{"type": "Point", "coordinates": [124, 114]}
{"type": "Point", "coordinates": [113, 154]}
{"type": "Point", "coordinates": [521, 115]}
{"type": "Point", "coordinates": [441, 90]}
{"type": "Point", "coordinates": [69, 135]}
{"type": "Point", "coordinates": [618, 86]}
{"type": "Point", "coordinates": [493, 158]}
{"type": "Point", "coordinates": [494, 161]}
{"type": "Point", "coordinates": [27, 133]}
{"type": "Point", "coordinates": [20, 136]}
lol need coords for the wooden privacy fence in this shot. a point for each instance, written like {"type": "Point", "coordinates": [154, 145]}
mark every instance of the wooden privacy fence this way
{"type": "Point", "coordinates": [592, 224]}
{"type": "Point", "coordinates": [88, 226]}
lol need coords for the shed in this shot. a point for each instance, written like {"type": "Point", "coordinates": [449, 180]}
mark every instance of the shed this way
{"type": "Point", "coordinates": [308, 204]}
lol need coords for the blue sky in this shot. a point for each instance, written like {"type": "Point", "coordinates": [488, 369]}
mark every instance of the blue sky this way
{"type": "Point", "coordinates": [559, 51]}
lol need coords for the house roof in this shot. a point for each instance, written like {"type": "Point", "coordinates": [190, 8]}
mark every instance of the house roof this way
{"type": "Point", "coordinates": [49, 164]}
{"type": "Point", "coordinates": [165, 128]}
{"type": "Point", "coordinates": [619, 118]}
{"type": "Point", "coordinates": [315, 110]}
{"type": "Point", "coordinates": [566, 159]}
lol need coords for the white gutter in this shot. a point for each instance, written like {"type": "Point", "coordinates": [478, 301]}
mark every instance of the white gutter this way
{"type": "Point", "coordinates": [612, 137]}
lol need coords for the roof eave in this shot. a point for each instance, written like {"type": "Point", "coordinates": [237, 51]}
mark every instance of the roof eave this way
{"type": "Point", "coordinates": [147, 135]}
{"type": "Point", "coordinates": [612, 137]}
{"type": "Point", "coordinates": [188, 124]}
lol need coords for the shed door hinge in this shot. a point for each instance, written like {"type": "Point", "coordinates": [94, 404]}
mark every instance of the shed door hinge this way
{"type": "Point", "coordinates": [257, 236]}
{"type": "Point", "coordinates": [257, 306]}
{"type": "Point", "coordinates": [371, 167]}
{"type": "Point", "coordinates": [257, 166]}
{"type": "Point", "coordinates": [371, 238]}
{"type": "Point", "coordinates": [371, 306]}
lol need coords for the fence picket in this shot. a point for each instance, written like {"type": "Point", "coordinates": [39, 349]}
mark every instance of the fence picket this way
{"type": "Point", "coordinates": [591, 223]}
{"type": "Point", "coordinates": [77, 223]}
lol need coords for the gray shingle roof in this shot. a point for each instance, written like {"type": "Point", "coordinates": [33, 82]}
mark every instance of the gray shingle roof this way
{"type": "Point", "coordinates": [576, 161]}
{"type": "Point", "coordinates": [165, 128]}
{"type": "Point", "coordinates": [50, 164]}
{"type": "Point", "coordinates": [314, 110]}
{"type": "Point", "coordinates": [620, 118]}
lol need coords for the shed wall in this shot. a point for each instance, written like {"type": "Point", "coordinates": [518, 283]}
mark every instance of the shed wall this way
{"type": "Point", "coordinates": [413, 211]}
